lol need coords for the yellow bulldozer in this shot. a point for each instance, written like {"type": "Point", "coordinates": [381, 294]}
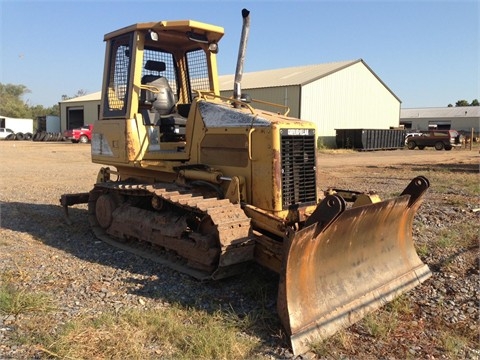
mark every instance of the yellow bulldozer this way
{"type": "Point", "coordinates": [212, 184]}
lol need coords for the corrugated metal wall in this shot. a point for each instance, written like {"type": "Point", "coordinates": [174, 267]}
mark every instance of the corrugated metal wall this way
{"type": "Point", "coordinates": [457, 123]}
{"type": "Point", "coordinates": [348, 99]}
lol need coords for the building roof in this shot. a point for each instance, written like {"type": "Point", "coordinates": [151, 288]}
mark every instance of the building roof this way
{"type": "Point", "coordinates": [299, 75]}
{"type": "Point", "coordinates": [291, 76]}
{"type": "Point", "coordinates": [89, 97]}
{"type": "Point", "coordinates": [440, 112]}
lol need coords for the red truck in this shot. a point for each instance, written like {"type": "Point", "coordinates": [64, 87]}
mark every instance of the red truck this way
{"type": "Point", "coordinates": [82, 135]}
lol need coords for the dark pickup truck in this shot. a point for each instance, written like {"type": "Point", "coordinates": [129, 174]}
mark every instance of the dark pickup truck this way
{"type": "Point", "coordinates": [439, 139]}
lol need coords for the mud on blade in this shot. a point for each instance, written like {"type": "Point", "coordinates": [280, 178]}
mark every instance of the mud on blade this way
{"type": "Point", "coordinates": [337, 270]}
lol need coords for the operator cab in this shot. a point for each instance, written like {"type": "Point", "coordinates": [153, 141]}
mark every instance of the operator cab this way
{"type": "Point", "coordinates": [153, 72]}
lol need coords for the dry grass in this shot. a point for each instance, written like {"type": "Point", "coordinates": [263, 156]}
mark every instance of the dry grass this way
{"type": "Point", "coordinates": [173, 332]}
{"type": "Point", "coordinates": [15, 300]}
{"type": "Point", "coordinates": [169, 332]}
{"type": "Point", "coordinates": [323, 150]}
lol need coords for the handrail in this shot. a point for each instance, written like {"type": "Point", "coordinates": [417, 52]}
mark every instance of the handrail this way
{"type": "Point", "coordinates": [204, 95]}
{"type": "Point", "coordinates": [149, 88]}
{"type": "Point", "coordinates": [250, 143]}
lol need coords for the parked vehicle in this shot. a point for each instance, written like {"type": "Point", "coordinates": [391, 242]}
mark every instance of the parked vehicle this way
{"type": "Point", "coordinates": [410, 134]}
{"type": "Point", "coordinates": [439, 139]}
{"type": "Point", "coordinates": [5, 132]}
{"type": "Point", "coordinates": [82, 135]}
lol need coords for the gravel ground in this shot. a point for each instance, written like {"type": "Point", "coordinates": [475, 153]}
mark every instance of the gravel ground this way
{"type": "Point", "coordinates": [86, 276]}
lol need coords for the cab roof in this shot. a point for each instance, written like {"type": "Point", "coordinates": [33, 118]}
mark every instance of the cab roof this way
{"type": "Point", "coordinates": [212, 32]}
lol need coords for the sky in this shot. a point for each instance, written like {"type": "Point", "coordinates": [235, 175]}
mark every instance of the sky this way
{"type": "Point", "coordinates": [426, 51]}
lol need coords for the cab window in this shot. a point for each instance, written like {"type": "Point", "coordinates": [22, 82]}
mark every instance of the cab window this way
{"type": "Point", "coordinates": [116, 92]}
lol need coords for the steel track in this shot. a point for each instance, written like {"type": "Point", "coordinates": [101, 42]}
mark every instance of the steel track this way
{"type": "Point", "coordinates": [232, 229]}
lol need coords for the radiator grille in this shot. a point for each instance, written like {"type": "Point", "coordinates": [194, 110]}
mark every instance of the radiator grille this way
{"type": "Point", "coordinates": [298, 166]}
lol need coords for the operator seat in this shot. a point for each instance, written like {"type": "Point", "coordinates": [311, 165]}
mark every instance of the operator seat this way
{"type": "Point", "coordinates": [159, 105]}
{"type": "Point", "coordinates": [162, 101]}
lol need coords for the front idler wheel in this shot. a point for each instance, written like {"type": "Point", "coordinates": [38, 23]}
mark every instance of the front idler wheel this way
{"type": "Point", "coordinates": [104, 208]}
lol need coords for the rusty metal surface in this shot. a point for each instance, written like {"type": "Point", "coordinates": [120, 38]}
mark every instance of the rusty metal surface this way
{"type": "Point", "coordinates": [67, 200]}
{"type": "Point", "coordinates": [203, 237]}
{"type": "Point", "coordinates": [330, 207]}
{"type": "Point", "coordinates": [333, 277]}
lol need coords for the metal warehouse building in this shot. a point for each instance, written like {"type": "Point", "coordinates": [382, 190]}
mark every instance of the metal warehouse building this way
{"type": "Point", "coordinates": [461, 118]}
{"type": "Point", "coordinates": [80, 111]}
{"type": "Point", "coordinates": [340, 95]}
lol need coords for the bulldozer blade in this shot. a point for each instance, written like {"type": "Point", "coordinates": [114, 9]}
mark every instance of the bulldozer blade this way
{"type": "Point", "coordinates": [334, 273]}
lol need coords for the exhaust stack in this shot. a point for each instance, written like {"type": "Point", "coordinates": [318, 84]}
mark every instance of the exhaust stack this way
{"type": "Point", "coordinates": [237, 87]}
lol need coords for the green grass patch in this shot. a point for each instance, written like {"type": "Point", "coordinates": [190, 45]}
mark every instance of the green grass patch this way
{"type": "Point", "coordinates": [446, 239]}
{"type": "Point", "coordinates": [422, 249]}
{"type": "Point", "coordinates": [14, 301]}
{"type": "Point", "coordinates": [453, 343]}
{"type": "Point", "coordinates": [380, 324]}
{"type": "Point", "coordinates": [401, 305]}
{"type": "Point", "coordinates": [460, 234]}
{"type": "Point", "coordinates": [342, 341]}
{"type": "Point", "coordinates": [451, 183]}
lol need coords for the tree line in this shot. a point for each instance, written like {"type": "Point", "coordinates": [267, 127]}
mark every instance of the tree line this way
{"type": "Point", "coordinates": [465, 103]}
{"type": "Point", "coordinates": [12, 103]}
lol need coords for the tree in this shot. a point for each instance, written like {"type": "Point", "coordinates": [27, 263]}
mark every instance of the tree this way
{"type": "Point", "coordinates": [466, 103]}
{"type": "Point", "coordinates": [11, 103]}
{"type": "Point", "coordinates": [80, 92]}
{"type": "Point", "coordinates": [462, 103]}
{"type": "Point", "coordinates": [39, 110]}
